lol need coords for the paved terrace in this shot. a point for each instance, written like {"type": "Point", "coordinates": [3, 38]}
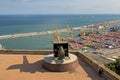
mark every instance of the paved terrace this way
{"type": "Point", "coordinates": [29, 67]}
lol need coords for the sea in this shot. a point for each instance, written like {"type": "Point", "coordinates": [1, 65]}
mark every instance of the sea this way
{"type": "Point", "coordinates": [12, 24]}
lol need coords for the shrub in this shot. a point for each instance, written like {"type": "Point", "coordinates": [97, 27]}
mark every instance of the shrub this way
{"type": "Point", "coordinates": [115, 66]}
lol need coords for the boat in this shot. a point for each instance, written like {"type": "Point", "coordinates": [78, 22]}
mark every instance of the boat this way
{"type": "Point", "coordinates": [1, 47]}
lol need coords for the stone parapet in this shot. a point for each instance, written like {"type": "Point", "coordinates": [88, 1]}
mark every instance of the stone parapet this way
{"type": "Point", "coordinates": [107, 73]}
{"type": "Point", "coordinates": [27, 52]}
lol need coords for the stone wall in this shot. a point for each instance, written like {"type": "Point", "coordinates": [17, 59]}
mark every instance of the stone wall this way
{"type": "Point", "coordinates": [107, 73]}
{"type": "Point", "coordinates": [28, 52]}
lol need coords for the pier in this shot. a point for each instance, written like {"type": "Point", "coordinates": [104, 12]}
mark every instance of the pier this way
{"type": "Point", "coordinates": [10, 36]}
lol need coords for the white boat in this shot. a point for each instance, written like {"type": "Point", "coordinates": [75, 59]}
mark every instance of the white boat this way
{"type": "Point", "coordinates": [1, 47]}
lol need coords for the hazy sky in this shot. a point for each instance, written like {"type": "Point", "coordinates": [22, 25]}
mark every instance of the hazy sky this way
{"type": "Point", "coordinates": [59, 6]}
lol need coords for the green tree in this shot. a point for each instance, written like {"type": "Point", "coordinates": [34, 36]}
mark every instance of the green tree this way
{"type": "Point", "coordinates": [115, 66]}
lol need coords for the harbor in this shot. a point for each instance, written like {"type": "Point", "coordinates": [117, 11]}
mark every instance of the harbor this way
{"type": "Point", "coordinates": [10, 36]}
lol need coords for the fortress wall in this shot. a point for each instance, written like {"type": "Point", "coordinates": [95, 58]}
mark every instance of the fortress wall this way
{"type": "Point", "coordinates": [107, 73]}
{"type": "Point", "coordinates": [27, 52]}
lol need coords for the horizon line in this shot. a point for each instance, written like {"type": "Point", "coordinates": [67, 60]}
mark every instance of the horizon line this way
{"type": "Point", "coordinates": [63, 14]}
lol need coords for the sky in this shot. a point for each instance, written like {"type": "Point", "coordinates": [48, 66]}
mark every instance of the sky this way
{"type": "Point", "coordinates": [59, 6]}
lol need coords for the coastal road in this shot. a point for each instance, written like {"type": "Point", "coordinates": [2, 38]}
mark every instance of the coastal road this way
{"type": "Point", "coordinates": [97, 57]}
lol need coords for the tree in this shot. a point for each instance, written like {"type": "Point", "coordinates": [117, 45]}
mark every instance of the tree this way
{"type": "Point", "coordinates": [115, 66]}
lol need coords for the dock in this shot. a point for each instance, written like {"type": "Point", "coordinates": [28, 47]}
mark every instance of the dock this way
{"type": "Point", "coordinates": [10, 36]}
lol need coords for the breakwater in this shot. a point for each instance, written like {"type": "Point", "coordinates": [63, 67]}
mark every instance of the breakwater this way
{"type": "Point", "coordinates": [60, 30]}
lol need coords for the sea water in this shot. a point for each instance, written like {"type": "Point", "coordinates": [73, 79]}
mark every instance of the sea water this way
{"type": "Point", "coordinates": [12, 24]}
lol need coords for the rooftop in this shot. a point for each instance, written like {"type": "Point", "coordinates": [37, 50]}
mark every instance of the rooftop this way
{"type": "Point", "coordinates": [29, 67]}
